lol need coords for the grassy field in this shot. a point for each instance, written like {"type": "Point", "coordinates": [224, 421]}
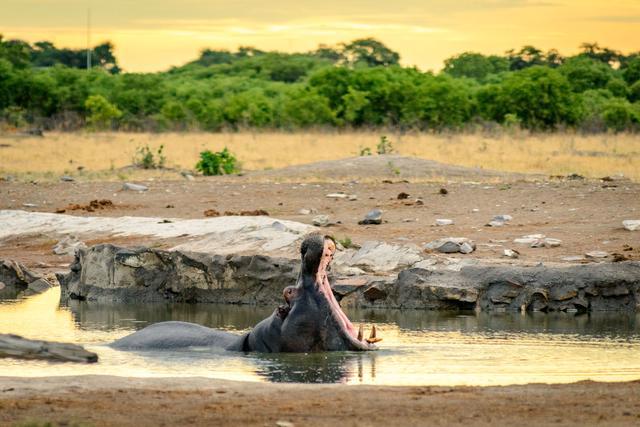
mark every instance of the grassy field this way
{"type": "Point", "coordinates": [102, 155]}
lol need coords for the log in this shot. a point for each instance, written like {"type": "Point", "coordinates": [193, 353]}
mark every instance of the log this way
{"type": "Point", "coordinates": [23, 348]}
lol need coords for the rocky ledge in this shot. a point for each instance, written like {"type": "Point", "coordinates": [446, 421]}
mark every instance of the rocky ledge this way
{"type": "Point", "coordinates": [17, 280]}
{"type": "Point", "coordinates": [109, 273]}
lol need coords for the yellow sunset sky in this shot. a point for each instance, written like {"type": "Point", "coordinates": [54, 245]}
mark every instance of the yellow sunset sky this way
{"type": "Point", "coordinates": [154, 35]}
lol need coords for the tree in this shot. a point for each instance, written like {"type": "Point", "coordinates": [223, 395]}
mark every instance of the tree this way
{"type": "Point", "coordinates": [586, 73]}
{"type": "Point", "coordinates": [539, 96]}
{"type": "Point", "coordinates": [631, 71]}
{"type": "Point", "coordinates": [369, 52]}
{"type": "Point", "coordinates": [101, 112]}
{"type": "Point", "coordinates": [475, 65]}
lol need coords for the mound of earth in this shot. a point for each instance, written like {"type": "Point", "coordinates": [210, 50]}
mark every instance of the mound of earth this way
{"type": "Point", "coordinates": [387, 166]}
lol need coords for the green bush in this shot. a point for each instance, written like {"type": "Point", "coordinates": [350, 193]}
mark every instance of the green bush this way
{"type": "Point", "coordinates": [618, 115]}
{"type": "Point", "coordinates": [102, 113]}
{"type": "Point", "coordinates": [145, 158]}
{"type": "Point", "coordinates": [218, 163]}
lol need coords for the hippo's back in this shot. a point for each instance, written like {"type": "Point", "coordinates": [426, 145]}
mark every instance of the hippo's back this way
{"type": "Point", "coordinates": [171, 335]}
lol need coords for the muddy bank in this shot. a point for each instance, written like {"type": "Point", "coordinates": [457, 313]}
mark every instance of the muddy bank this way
{"type": "Point", "coordinates": [108, 273]}
{"type": "Point", "coordinates": [105, 401]}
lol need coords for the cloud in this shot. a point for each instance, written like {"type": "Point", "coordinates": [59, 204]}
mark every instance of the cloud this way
{"type": "Point", "coordinates": [625, 19]}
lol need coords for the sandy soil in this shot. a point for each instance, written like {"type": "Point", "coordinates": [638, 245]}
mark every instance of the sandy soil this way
{"type": "Point", "coordinates": [586, 215]}
{"type": "Point", "coordinates": [104, 400]}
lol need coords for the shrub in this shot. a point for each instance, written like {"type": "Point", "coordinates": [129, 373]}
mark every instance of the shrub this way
{"type": "Point", "coordinates": [145, 158]}
{"type": "Point", "coordinates": [218, 163]}
{"type": "Point", "coordinates": [101, 112]}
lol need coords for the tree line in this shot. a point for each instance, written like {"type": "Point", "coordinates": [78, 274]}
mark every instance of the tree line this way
{"type": "Point", "coordinates": [353, 85]}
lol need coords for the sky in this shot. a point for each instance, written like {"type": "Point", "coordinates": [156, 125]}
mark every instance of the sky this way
{"type": "Point", "coordinates": [153, 35]}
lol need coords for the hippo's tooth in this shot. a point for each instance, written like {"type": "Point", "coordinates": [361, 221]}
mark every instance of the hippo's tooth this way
{"type": "Point", "coordinates": [372, 336]}
{"type": "Point", "coordinates": [360, 333]}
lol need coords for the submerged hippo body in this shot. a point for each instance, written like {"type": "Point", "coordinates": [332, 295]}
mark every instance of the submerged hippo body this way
{"type": "Point", "coordinates": [311, 320]}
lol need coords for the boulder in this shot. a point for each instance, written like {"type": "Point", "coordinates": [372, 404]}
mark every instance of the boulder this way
{"type": "Point", "coordinates": [374, 216]}
{"type": "Point", "coordinates": [68, 246]}
{"type": "Point", "coordinates": [128, 186]}
{"type": "Point", "coordinates": [376, 256]}
{"type": "Point", "coordinates": [17, 278]}
{"type": "Point", "coordinates": [17, 347]}
{"type": "Point", "coordinates": [112, 274]}
{"type": "Point", "coordinates": [450, 245]}
{"type": "Point", "coordinates": [631, 224]}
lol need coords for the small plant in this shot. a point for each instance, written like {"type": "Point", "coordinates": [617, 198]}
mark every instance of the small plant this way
{"type": "Point", "coordinates": [366, 151]}
{"type": "Point", "coordinates": [347, 243]}
{"type": "Point", "coordinates": [218, 163]}
{"type": "Point", "coordinates": [145, 159]}
{"type": "Point", "coordinates": [393, 168]}
{"type": "Point", "coordinates": [384, 146]}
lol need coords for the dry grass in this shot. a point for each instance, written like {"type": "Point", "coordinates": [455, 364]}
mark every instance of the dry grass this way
{"type": "Point", "coordinates": [102, 155]}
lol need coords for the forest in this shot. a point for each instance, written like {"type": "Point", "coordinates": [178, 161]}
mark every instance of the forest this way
{"type": "Point", "coordinates": [353, 85]}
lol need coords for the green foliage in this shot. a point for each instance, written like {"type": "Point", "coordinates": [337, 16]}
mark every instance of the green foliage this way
{"type": "Point", "coordinates": [384, 146]}
{"type": "Point", "coordinates": [631, 71]}
{"type": "Point", "coordinates": [475, 65]}
{"type": "Point", "coordinates": [350, 85]}
{"type": "Point", "coordinates": [585, 73]}
{"type": "Point", "coordinates": [146, 159]}
{"type": "Point", "coordinates": [218, 163]}
{"type": "Point", "coordinates": [618, 115]}
{"type": "Point", "coordinates": [364, 151]}
{"type": "Point", "coordinates": [101, 112]}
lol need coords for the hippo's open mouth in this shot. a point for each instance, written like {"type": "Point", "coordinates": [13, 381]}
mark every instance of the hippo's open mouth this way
{"type": "Point", "coordinates": [355, 337]}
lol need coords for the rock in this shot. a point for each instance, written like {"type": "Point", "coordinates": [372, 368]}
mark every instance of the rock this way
{"type": "Point", "coordinates": [419, 202]}
{"type": "Point", "coordinates": [127, 186]}
{"type": "Point", "coordinates": [596, 254]}
{"type": "Point", "coordinates": [321, 221]}
{"type": "Point", "coordinates": [529, 239]}
{"type": "Point", "coordinates": [2, 286]}
{"type": "Point", "coordinates": [502, 218]}
{"type": "Point", "coordinates": [221, 235]}
{"type": "Point", "coordinates": [444, 221]}
{"type": "Point", "coordinates": [375, 256]}
{"type": "Point", "coordinates": [475, 210]}
{"type": "Point", "coordinates": [352, 197]}
{"type": "Point", "coordinates": [38, 287]}
{"type": "Point", "coordinates": [67, 178]}
{"type": "Point", "coordinates": [573, 258]}
{"type": "Point", "coordinates": [188, 176]}
{"type": "Point", "coordinates": [16, 277]}
{"type": "Point", "coordinates": [68, 246]}
{"type": "Point", "coordinates": [402, 196]}
{"type": "Point", "coordinates": [373, 217]}
{"type": "Point", "coordinates": [427, 264]}
{"type": "Point", "coordinates": [375, 292]}
{"type": "Point", "coordinates": [336, 196]}
{"type": "Point", "coordinates": [304, 211]}
{"type": "Point", "coordinates": [495, 223]}
{"type": "Point", "coordinates": [29, 205]}
{"type": "Point", "coordinates": [631, 224]}
{"type": "Point", "coordinates": [451, 245]}
{"type": "Point", "coordinates": [510, 253]}
{"type": "Point", "coordinates": [552, 243]}
{"type": "Point", "coordinates": [106, 273]}
{"type": "Point", "coordinates": [17, 347]}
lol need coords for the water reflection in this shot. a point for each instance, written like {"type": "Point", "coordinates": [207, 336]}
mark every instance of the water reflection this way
{"type": "Point", "coordinates": [419, 347]}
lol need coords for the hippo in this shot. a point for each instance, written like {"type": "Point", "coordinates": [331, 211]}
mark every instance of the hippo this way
{"type": "Point", "coordinates": [311, 319]}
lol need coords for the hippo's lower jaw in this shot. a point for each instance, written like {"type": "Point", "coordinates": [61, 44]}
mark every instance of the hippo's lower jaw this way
{"type": "Point", "coordinates": [352, 337]}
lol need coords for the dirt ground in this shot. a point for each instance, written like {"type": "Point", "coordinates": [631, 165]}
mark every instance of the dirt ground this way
{"type": "Point", "coordinates": [586, 215]}
{"type": "Point", "coordinates": [106, 401]}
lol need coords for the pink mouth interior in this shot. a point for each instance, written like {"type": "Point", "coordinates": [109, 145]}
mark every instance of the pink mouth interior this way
{"type": "Point", "coordinates": [322, 281]}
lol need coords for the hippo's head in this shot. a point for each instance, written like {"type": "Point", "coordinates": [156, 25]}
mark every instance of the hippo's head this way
{"type": "Point", "coordinates": [313, 319]}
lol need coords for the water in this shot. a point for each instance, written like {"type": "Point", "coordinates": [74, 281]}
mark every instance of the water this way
{"type": "Point", "coordinates": [425, 348]}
